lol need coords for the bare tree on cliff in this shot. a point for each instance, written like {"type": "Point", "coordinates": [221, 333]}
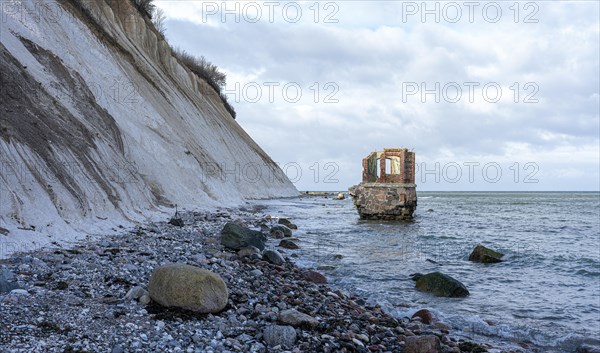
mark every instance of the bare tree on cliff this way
{"type": "Point", "coordinates": [146, 7]}
{"type": "Point", "coordinates": [158, 19]}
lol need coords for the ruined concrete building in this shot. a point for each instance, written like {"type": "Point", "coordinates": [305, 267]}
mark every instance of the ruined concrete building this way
{"type": "Point", "coordinates": [388, 189]}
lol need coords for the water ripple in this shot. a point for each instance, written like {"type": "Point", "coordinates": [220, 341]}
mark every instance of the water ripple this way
{"type": "Point", "coordinates": [546, 291]}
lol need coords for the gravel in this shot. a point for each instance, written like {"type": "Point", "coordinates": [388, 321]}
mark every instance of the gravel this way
{"type": "Point", "coordinates": [93, 298]}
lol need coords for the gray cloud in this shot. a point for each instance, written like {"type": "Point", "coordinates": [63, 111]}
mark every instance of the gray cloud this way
{"type": "Point", "coordinates": [371, 55]}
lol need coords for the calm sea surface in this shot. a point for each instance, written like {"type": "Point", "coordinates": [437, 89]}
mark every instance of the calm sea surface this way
{"type": "Point", "coordinates": [546, 293]}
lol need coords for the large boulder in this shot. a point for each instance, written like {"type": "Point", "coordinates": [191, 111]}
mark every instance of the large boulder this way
{"type": "Point", "coordinates": [440, 285]}
{"type": "Point", "coordinates": [264, 228]}
{"type": "Point", "coordinates": [280, 231]}
{"type": "Point", "coordinates": [274, 257]}
{"type": "Point", "coordinates": [188, 287]}
{"type": "Point", "coordinates": [485, 255]}
{"type": "Point", "coordinates": [286, 222]}
{"type": "Point", "coordinates": [288, 244]}
{"type": "Point", "coordinates": [236, 237]}
{"type": "Point", "coordinates": [315, 277]}
{"type": "Point", "coordinates": [425, 316]}
{"type": "Point", "coordinates": [422, 344]}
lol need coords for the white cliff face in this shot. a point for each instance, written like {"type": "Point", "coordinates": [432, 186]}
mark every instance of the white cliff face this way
{"type": "Point", "coordinates": [100, 126]}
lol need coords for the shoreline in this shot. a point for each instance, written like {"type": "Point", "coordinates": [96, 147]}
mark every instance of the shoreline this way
{"type": "Point", "coordinates": [75, 299]}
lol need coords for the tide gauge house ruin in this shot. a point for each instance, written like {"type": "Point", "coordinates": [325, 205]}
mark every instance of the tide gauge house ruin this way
{"type": "Point", "coordinates": [388, 190]}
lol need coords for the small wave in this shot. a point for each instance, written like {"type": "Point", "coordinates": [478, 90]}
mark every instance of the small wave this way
{"type": "Point", "coordinates": [571, 341]}
{"type": "Point", "coordinates": [576, 259]}
{"type": "Point", "coordinates": [584, 272]}
{"type": "Point", "coordinates": [537, 259]}
{"type": "Point", "coordinates": [473, 327]}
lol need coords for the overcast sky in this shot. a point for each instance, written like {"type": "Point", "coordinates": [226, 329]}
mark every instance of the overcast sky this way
{"type": "Point", "coordinates": [489, 95]}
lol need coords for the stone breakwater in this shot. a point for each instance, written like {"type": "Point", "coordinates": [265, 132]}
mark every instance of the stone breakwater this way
{"type": "Point", "coordinates": [91, 298]}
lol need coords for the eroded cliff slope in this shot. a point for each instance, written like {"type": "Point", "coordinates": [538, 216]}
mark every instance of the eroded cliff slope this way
{"type": "Point", "coordinates": [100, 125]}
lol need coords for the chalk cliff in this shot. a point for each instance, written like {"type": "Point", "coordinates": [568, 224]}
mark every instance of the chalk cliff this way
{"type": "Point", "coordinates": [100, 125]}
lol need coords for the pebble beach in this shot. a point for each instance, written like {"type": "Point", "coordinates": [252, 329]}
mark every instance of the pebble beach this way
{"type": "Point", "coordinates": [92, 297]}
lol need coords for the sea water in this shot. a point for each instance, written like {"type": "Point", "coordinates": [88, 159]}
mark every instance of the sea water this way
{"type": "Point", "coordinates": [545, 294]}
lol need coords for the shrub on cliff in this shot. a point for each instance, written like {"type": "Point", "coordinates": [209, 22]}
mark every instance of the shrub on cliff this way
{"type": "Point", "coordinates": [146, 7]}
{"type": "Point", "coordinates": [207, 71]}
{"type": "Point", "coordinates": [203, 68]}
{"type": "Point", "coordinates": [228, 106]}
{"type": "Point", "coordinates": [158, 20]}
